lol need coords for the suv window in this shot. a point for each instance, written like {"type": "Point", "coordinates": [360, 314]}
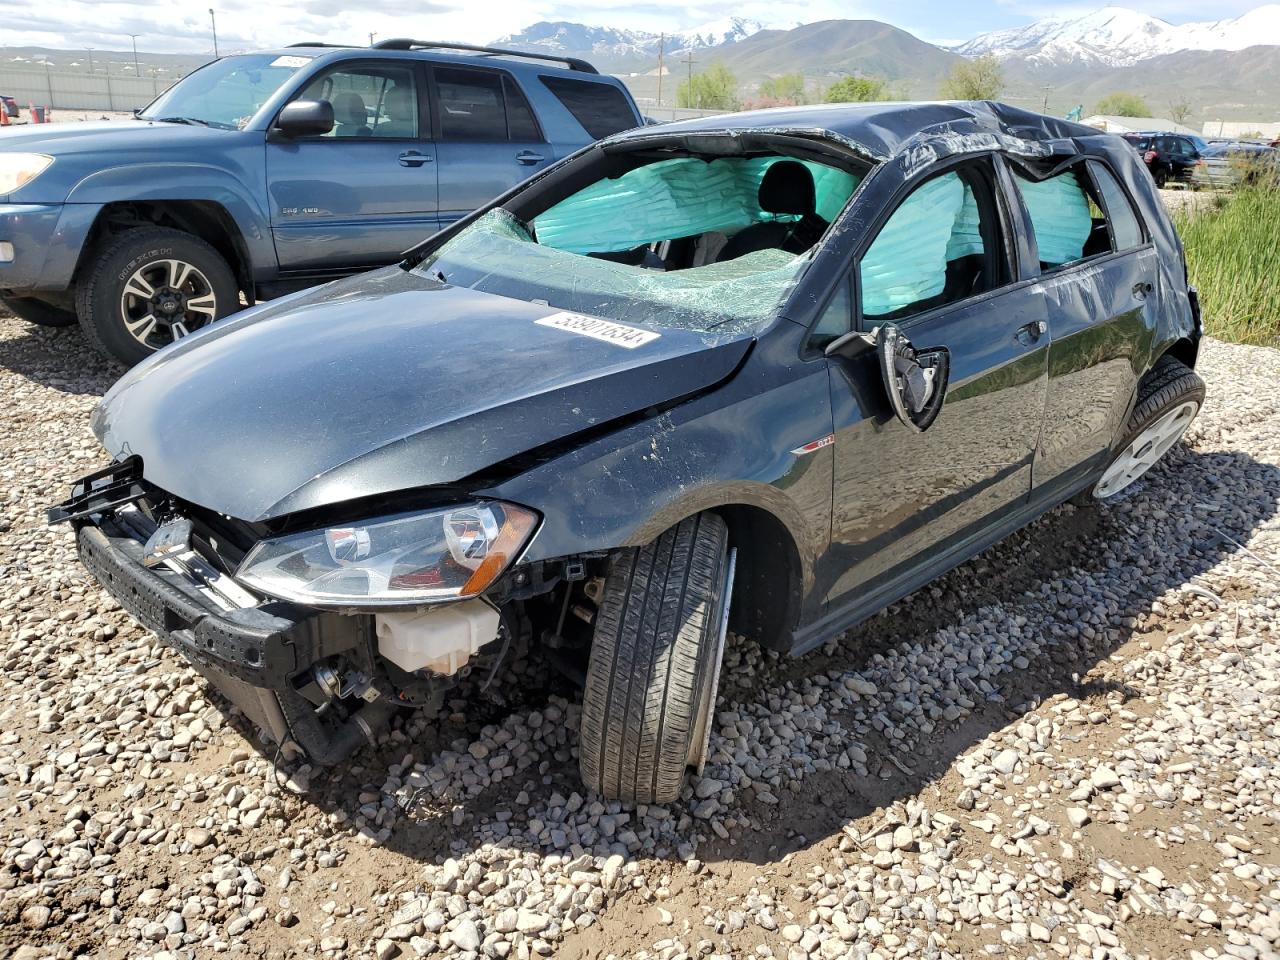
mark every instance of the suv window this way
{"type": "Point", "coordinates": [933, 250]}
{"type": "Point", "coordinates": [482, 105]}
{"type": "Point", "coordinates": [1061, 217]}
{"type": "Point", "coordinates": [1117, 210]}
{"type": "Point", "coordinates": [379, 101]}
{"type": "Point", "coordinates": [601, 108]}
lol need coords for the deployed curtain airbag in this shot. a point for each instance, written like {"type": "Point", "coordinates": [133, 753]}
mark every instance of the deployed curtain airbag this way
{"type": "Point", "coordinates": [1060, 214]}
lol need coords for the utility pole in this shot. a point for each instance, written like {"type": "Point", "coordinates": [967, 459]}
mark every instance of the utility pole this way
{"type": "Point", "coordinates": [213, 22]}
{"type": "Point", "coordinates": [90, 49]}
{"type": "Point", "coordinates": [1045, 107]}
{"type": "Point", "coordinates": [134, 38]}
{"type": "Point", "coordinates": [662, 43]}
{"type": "Point", "coordinates": [689, 61]}
{"type": "Point", "coordinates": [371, 36]}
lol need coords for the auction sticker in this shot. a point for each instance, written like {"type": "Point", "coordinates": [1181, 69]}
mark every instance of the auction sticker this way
{"type": "Point", "coordinates": [616, 333]}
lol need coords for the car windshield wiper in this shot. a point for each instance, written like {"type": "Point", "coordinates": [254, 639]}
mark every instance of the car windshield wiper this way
{"type": "Point", "coordinates": [195, 121]}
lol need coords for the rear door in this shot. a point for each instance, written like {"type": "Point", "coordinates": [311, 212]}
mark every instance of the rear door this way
{"type": "Point", "coordinates": [487, 137]}
{"type": "Point", "coordinates": [1099, 280]}
{"type": "Point", "coordinates": [365, 192]}
{"type": "Point", "coordinates": [901, 498]}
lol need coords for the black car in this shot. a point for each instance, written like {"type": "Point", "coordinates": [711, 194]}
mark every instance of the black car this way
{"type": "Point", "coordinates": [1169, 156]}
{"type": "Point", "coordinates": [766, 372]}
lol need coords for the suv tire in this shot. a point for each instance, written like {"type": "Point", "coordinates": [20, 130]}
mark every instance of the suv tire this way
{"type": "Point", "coordinates": [655, 661]}
{"type": "Point", "coordinates": [39, 312]}
{"type": "Point", "coordinates": [189, 285]}
{"type": "Point", "coordinates": [1169, 397]}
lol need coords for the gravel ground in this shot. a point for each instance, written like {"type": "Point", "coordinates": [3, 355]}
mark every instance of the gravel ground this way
{"type": "Point", "coordinates": [1066, 748]}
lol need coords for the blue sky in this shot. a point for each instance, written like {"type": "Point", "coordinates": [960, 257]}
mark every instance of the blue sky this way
{"type": "Point", "coordinates": [166, 26]}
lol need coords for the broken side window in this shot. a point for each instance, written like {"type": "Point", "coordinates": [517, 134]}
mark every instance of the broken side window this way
{"type": "Point", "coordinates": [1060, 216]}
{"type": "Point", "coordinates": [1116, 208]}
{"type": "Point", "coordinates": [930, 252]}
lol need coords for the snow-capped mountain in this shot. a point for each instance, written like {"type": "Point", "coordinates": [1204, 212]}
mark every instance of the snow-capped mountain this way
{"type": "Point", "coordinates": [612, 44]}
{"type": "Point", "coordinates": [1118, 36]}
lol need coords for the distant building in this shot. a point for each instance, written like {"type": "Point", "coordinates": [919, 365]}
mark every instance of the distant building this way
{"type": "Point", "coordinates": [1240, 128]}
{"type": "Point", "coordinates": [1110, 124]}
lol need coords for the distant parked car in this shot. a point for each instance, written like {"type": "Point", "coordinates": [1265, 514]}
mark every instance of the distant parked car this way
{"type": "Point", "coordinates": [1233, 163]}
{"type": "Point", "coordinates": [267, 172]}
{"type": "Point", "coordinates": [1169, 156]}
{"type": "Point", "coordinates": [10, 107]}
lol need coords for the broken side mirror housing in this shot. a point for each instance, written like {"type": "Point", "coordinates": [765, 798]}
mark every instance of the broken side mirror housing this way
{"type": "Point", "coordinates": [914, 379]}
{"type": "Point", "coordinates": [305, 118]}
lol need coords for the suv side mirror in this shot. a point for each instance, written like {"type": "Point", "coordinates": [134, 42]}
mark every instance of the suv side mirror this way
{"type": "Point", "coordinates": [305, 118]}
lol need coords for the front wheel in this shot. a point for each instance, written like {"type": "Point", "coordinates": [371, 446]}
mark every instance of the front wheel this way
{"type": "Point", "coordinates": [655, 663]}
{"type": "Point", "coordinates": [1169, 398]}
{"type": "Point", "coordinates": [150, 286]}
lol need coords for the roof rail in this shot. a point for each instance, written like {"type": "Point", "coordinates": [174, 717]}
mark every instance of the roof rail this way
{"type": "Point", "coordinates": [402, 43]}
{"type": "Point", "coordinates": [317, 43]}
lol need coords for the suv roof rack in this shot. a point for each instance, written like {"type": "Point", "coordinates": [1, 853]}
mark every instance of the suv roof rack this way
{"type": "Point", "coordinates": [403, 43]}
{"type": "Point", "coordinates": [317, 43]}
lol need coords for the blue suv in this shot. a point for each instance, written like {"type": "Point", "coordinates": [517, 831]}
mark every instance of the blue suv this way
{"type": "Point", "coordinates": [262, 173]}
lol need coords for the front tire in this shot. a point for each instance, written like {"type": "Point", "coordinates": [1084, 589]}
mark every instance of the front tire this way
{"type": "Point", "coordinates": [655, 659]}
{"type": "Point", "coordinates": [1169, 398]}
{"type": "Point", "coordinates": [150, 286]}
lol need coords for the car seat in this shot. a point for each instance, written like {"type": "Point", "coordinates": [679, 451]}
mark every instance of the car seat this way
{"type": "Point", "coordinates": [351, 116]}
{"type": "Point", "coordinates": [786, 189]}
{"type": "Point", "coordinates": [402, 115]}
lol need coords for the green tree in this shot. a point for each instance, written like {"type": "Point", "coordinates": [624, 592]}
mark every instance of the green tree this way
{"type": "Point", "coordinates": [1179, 110]}
{"type": "Point", "coordinates": [788, 88]}
{"type": "Point", "coordinates": [716, 88]}
{"type": "Point", "coordinates": [1123, 105]}
{"type": "Point", "coordinates": [979, 79]}
{"type": "Point", "coordinates": [857, 90]}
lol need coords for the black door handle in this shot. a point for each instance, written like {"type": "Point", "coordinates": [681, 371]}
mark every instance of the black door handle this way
{"type": "Point", "coordinates": [412, 158]}
{"type": "Point", "coordinates": [1030, 333]}
{"type": "Point", "coordinates": [528, 157]}
{"type": "Point", "coordinates": [1140, 290]}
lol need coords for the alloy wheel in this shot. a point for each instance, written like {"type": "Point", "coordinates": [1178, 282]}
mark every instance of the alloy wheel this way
{"type": "Point", "coordinates": [1147, 448]}
{"type": "Point", "coordinates": [164, 300]}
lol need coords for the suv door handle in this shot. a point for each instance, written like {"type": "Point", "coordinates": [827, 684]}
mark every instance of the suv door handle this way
{"type": "Point", "coordinates": [1140, 290]}
{"type": "Point", "coordinates": [528, 156]}
{"type": "Point", "coordinates": [412, 158]}
{"type": "Point", "coordinates": [1030, 333]}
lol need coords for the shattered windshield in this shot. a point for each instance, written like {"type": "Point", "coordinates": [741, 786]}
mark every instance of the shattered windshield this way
{"type": "Point", "coordinates": [685, 242]}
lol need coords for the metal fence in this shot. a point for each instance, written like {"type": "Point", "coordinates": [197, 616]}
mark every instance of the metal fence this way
{"type": "Point", "coordinates": [79, 91]}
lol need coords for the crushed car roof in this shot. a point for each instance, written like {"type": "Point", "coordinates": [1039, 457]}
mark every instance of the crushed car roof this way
{"type": "Point", "coordinates": [884, 130]}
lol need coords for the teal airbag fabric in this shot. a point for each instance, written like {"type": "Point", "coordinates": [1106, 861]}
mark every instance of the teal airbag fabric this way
{"type": "Point", "coordinates": [1060, 215]}
{"type": "Point", "coordinates": [675, 198]}
{"type": "Point", "coordinates": [907, 262]}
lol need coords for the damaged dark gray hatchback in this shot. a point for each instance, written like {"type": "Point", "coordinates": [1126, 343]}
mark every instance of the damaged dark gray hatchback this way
{"type": "Point", "coordinates": [770, 371]}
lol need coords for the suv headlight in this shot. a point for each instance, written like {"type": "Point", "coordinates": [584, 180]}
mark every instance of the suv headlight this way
{"type": "Point", "coordinates": [19, 169]}
{"type": "Point", "coordinates": [411, 558]}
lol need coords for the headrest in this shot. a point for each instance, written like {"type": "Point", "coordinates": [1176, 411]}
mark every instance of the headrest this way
{"type": "Point", "coordinates": [348, 109]}
{"type": "Point", "coordinates": [787, 188]}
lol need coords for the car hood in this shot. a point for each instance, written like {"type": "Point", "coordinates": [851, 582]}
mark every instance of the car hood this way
{"type": "Point", "coordinates": [57, 139]}
{"type": "Point", "coordinates": [385, 382]}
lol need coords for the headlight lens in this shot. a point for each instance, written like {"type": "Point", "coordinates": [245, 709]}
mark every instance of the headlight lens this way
{"type": "Point", "coordinates": [411, 558]}
{"type": "Point", "coordinates": [17, 169]}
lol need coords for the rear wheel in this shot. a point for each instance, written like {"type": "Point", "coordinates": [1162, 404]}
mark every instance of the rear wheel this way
{"type": "Point", "coordinates": [151, 286]}
{"type": "Point", "coordinates": [39, 312]}
{"type": "Point", "coordinates": [655, 663]}
{"type": "Point", "coordinates": [1169, 398]}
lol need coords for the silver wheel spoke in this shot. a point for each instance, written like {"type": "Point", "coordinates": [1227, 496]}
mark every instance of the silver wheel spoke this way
{"type": "Point", "coordinates": [142, 327]}
{"type": "Point", "coordinates": [178, 273]}
{"type": "Point", "coordinates": [1146, 450]}
{"type": "Point", "coordinates": [207, 305]}
{"type": "Point", "coordinates": [139, 287]}
{"type": "Point", "coordinates": [179, 330]}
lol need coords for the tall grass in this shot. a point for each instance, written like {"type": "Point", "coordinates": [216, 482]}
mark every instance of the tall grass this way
{"type": "Point", "coordinates": [1233, 257]}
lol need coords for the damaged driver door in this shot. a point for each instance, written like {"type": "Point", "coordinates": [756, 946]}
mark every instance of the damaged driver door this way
{"type": "Point", "coordinates": [938, 392]}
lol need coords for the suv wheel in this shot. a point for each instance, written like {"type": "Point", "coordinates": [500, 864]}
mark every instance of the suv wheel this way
{"type": "Point", "coordinates": [39, 312]}
{"type": "Point", "coordinates": [151, 286]}
{"type": "Point", "coordinates": [1169, 398]}
{"type": "Point", "coordinates": [655, 663]}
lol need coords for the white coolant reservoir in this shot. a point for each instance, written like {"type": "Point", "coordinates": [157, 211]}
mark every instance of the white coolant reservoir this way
{"type": "Point", "coordinates": [440, 639]}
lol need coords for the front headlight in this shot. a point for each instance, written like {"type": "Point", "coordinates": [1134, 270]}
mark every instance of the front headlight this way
{"type": "Point", "coordinates": [18, 169]}
{"type": "Point", "coordinates": [412, 558]}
